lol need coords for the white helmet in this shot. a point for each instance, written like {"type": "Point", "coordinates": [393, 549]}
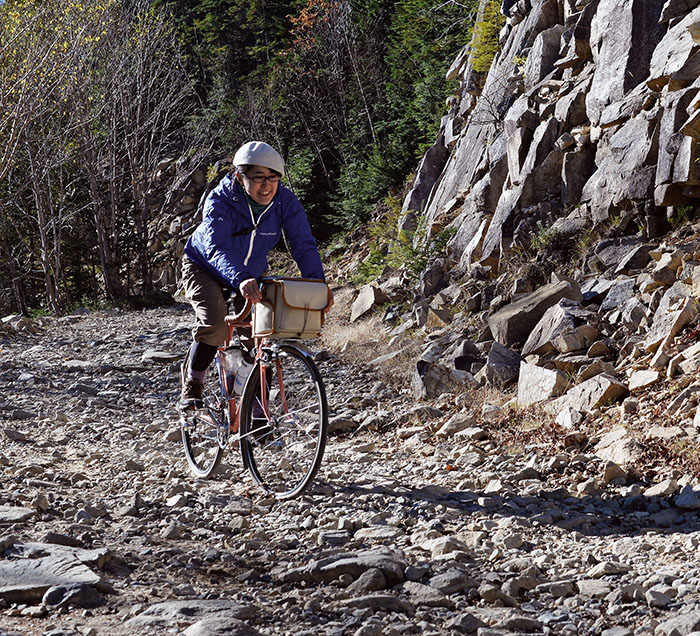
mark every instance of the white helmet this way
{"type": "Point", "coordinates": [258, 153]}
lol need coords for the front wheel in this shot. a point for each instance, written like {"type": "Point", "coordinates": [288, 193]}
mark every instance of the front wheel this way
{"type": "Point", "coordinates": [283, 446]}
{"type": "Point", "coordinates": [205, 430]}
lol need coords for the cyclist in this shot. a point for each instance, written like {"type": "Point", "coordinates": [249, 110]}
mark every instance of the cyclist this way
{"type": "Point", "coordinates": [243, 219]}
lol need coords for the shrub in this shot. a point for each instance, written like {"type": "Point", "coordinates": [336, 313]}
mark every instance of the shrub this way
{"type": "Point", "coordinates": [485, 44]}
{"type": "Point", "coordinates": [404, 250]}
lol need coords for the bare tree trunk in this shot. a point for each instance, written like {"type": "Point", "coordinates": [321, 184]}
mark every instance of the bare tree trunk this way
{"type": "Point", "coordinates": [105, 225]}
{"type": "Point", "coordinates": [41, 190]}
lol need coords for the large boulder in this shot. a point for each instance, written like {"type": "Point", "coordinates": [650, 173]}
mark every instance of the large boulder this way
{"type": "Point", "coordinates": [513, 323]}
{"type": "Point", "coordinates": [501, 368]}
{"type": "Point", "coordinates": [563, 328]}
{"type": "Point", "coordinates": [600, 390]}
{"type": "Point", "coordinates": [432, 378]}
{"type": "Point", "coordinates": [612, 253]}
{"type": "Point", "coordinates": [620, 447]}
{"type": "Point", "coordinates": [26, 580]}
{"type": "Point", "coordinates": [543, 54]}
{"type": "Point", "coordinates": [626, 167]}
{"type": "Point", "coordinates": [159, 617]}
{"type": "Point", "coordinates": [429, 171]}
{"type": "Point", "coordinates": [677, 164]}
{"type": "Point", "coordinates": [674, 313]}
{"type": "Point", "coordinates": [623, 38]}
{"type": "Point", "coordinates": [621, 290]}
{"type": "Point", "coordinates": [368, 298]}
{"type": "Point", "coordinates": [675, 59]}
{"type": "Point", "coordinates": [327, 569]}
{"type": "Point", "coordinates": [537, 384]}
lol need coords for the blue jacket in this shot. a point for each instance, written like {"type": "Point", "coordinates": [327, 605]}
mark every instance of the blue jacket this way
{"type": "Point", "coordinates": [230, 246]}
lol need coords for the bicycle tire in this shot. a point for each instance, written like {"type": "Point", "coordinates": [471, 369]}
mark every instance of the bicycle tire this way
{"type": "Point", "coordinates": [202, 428]}
{"type": "Point", "coordinates": [283, 454]}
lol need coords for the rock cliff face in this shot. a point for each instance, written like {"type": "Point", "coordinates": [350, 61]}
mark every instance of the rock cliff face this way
{"type": "Point", "coordinates": [569, 179]}
{"type": "Point", "coordinates": [589, 112]}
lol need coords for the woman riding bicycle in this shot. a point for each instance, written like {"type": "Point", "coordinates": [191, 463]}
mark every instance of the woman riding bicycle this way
{"type": "Point", "coordinates": [243, 219]}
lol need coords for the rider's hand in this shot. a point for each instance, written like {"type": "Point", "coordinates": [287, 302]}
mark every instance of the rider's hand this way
{"type": "Point", "coordinates": [250, 291]}
{"type": "Point", "coordinates": [331, 301]}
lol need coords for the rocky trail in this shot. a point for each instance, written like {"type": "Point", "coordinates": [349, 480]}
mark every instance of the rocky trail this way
{"type": "Point", "coordinates": [406, 531]}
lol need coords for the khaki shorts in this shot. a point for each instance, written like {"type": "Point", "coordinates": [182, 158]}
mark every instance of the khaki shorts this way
{"type": "Point", "coordinates": [206, 294]}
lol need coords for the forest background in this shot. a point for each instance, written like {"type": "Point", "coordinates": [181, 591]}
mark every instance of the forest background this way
{"type": "Point", "coordinates": [95, 94]}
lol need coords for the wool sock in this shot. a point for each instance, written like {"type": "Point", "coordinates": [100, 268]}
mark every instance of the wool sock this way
{"type": "Point", "coordinates": [200, 376]}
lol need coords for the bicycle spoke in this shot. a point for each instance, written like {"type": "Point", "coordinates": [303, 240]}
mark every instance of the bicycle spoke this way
{"type": "Point", "coordinates": [204, 430]}
{"type": "Point", "coordinates": [284, 452]}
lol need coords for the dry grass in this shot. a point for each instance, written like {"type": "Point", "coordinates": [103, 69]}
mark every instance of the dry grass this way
{"type": "Point", "coordinates": [362, 342]}
{"type": "Point", "coordinates": [523, 428]}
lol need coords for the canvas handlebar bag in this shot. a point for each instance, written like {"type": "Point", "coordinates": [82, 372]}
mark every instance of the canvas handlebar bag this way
{"type": "Point", "coordinates": [291, 308]}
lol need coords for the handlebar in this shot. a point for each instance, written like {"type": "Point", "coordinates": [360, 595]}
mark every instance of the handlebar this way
{"type": "Point", "coordinates": [242, 315]}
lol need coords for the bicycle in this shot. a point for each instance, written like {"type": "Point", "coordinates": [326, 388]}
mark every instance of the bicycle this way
{"type": "Point", "coordinates": [280, 420]}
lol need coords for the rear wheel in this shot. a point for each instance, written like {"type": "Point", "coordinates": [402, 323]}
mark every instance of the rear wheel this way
{"type": "Point", "coordinates": [283, 452]}
{"type": "Point", "coordinates": [205, 430]}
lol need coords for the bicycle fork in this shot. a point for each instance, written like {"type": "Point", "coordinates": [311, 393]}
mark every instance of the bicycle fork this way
{"type": "Point", "coordinates": [264, 365]}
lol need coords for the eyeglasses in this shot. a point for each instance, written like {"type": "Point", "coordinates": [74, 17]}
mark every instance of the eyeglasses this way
{"type": "Point", "coordinates": [259, 178]}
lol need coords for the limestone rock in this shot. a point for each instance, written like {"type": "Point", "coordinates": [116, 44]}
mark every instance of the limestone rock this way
{"type": "Point", "coordinates": [368, 298]}
{"type": "Point", "coordinates": [27, 580]}
{"type": "Point", "coordinates": [75, 594]}
{"type": "Point", "coordinates": [220, 627]}
{"type": "Point", "coordinates": [428, 171]}
{"type": "Point", "coordinates": [611, 252]}
{"type": "Point", "coordinates": [154, 355]}
{"type": "Point", "coordinates": [331, 568]}
{"type": "Point", "coordinates": [565, 327]}
{"type": "Point", "coordinates": [676, 165]}
{"type": "Point", "coordinates": [514, 322]}
{"type": "Point", "coordinates": [15, 514]}
{"type": "Point", "coordinates": [502, 366]}
{"type": "Point", "coordinates": [175, 613]}
{"type": "Point", "coordinates": [577, 168]}
{"type": "Point", "coordinates": [380, 602]}
{"type": "Point", "coordinates": [662, 489]}
{"type": "Point", "coordinates": [622, 40]}
{"type": "Point", "coordinates": [466, 623]}
{"type": "Point", "coordinates": [683, 625]}
{"type": "Point", "coordinates": [594, 588]}
{"type": "Point", "coordinates": [674, 53]}
{"type": "Point", "coordinates": [626, 172]}
{"type": "Point", "coordinates": [426, 595]}
{"type": "Point", "coordinates": [569, 417]}
{"type": "Point", "coordinates": [543, 54]}
{"type": "Point", "coordinates": [431, 379]}
{"type": "Point", "coordinates": [618, 446]}
{"type": "Point", "coordinates": [457, 423]}
{"type": "Point", "coordinates": [688, 499]}
{"type": "Point", "coordinates": [600, 390]}
{"type": "Point", "coordinates": [536, 384]}
{"type": "Point", "coordinates": [641, 380]}
{"type": "Point", "coordinates": [668, 321]}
